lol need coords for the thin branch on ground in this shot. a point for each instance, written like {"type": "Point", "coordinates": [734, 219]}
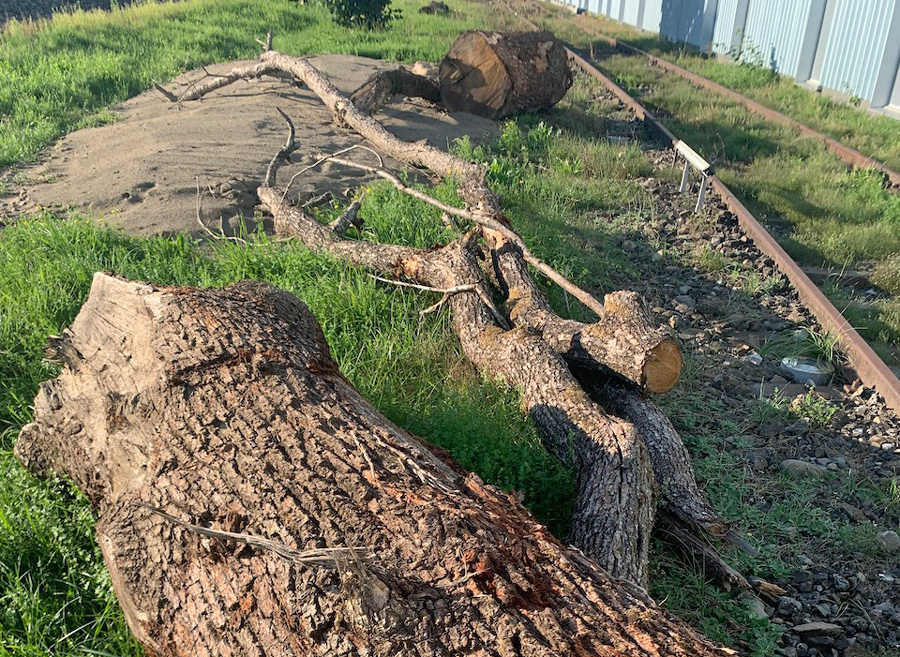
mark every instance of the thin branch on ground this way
{"type": "Point", "coordinates": [449, 292]}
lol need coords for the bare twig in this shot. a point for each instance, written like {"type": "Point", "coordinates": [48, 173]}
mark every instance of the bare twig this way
{"type": "Point", "coordinates": [325, 158]}
{"type": "Point", "coordinates": [349, 217]}
{"type": "Point", "coordinates": [480, 218]}
{"type": "Point", "coordinates": [425, 288]}
{"type": "Point", "coordinates": [267, 44]}
{"type": "Point", "coordinates": [165, 92]}
{"type": "Point", "coordinates": [316, 201]}
{"type": "Point", "coordinates": [207, 229]}
{"type": "Point", "coordinates": [449, 292]}
{"type": "Point", "coordinates": [321, 557]}
{"type": "Point", "coordinates": [290, 145]}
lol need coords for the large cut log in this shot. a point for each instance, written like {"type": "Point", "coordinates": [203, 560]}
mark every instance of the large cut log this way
{"type": "Point", "coordinates": [252, 502]}
{"type": "Point", "coordinates": [497, 74]}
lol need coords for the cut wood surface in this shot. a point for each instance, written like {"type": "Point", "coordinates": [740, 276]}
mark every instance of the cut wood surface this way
{"type": "Point", "coordinates": [497, 74]}
{"type": "Point", "coordinates": [252, 502]}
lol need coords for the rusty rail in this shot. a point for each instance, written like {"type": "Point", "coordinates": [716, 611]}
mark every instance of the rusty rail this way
{"type": "Point", "coordinates": [873, 372]}
{"type": "Point", "coordinates": [850, 155]}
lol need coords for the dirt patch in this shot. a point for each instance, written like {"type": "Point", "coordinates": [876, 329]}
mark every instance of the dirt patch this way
{"type": "Point", "coordinates": [142, 172]}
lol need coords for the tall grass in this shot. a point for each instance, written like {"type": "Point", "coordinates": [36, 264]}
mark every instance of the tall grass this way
{"type": "Point", "coordinates": [55, 597]}
{"type": "Point", "coordinates": [822, 212]}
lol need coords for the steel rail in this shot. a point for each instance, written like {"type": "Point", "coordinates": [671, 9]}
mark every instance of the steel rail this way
{"type": "Point", "coordinates": [849, 155]}
{"type": "Point", "coordinates": [872, 371]}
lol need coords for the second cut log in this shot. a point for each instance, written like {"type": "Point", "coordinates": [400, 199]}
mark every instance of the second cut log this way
{"type": "Point", "coordinates": [496, 74]}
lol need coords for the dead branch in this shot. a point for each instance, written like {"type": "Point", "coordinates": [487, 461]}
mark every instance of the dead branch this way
{"type": "Point", "coordinates": [378, 89]}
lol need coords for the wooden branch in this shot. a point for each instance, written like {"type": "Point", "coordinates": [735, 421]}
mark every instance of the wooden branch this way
{"type": "Point", "coordinates": [609, 459]}
{"type": "Point", "coordinates": [325, 557]}
{"type": "Point", "coordinates": [622, 340]}
{"type": "Point", "coordinates": [290, 145]}
{"type": "Point", "coordinates": [484, 203]}
{"type": "Point", "coordinates": [378, 89]}
{"type": "Point", "coordinates": [347, 218]}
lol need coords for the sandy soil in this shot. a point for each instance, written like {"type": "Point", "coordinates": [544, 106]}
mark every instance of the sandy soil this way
{"type": "Point", "coordinates": [142, 172]}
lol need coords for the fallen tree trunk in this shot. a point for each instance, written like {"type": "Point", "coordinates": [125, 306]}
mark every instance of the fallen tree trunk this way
{"type": "Point", "coordinates": [498, 74]}
{"type": "Point", "coordinates": [251, 502]}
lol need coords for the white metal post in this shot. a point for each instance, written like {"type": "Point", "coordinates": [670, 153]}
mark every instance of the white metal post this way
{"type": "Point", "coordinates": [684, 177]}
{"type": "Point", "coordinates": [702, 195]}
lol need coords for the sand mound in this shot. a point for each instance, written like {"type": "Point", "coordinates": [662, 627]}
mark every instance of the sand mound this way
{"type": "Point", "coordinates": [141, 172]}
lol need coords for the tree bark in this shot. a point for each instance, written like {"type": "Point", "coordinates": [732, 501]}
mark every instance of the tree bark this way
{"type": "Point", "coordinates": [251, 502]}
{"type": "Point", "coordinates": [622, 340]}
{"type": "Point", "coordinates": [496, 74]}
{"type": "Point", "coordinates": [615, 507]}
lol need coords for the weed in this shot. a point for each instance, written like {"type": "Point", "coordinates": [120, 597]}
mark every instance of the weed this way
{"type": "Point", "coordinates": [707, 258]}
{"type": "Point", "coordinates": [822, 345]}
{"type": "Point", "coordinates": [814, 408]}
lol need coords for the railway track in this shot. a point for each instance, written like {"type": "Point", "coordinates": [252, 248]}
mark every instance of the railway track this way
{"type": "Point", "coordinates": [849, 155]}
{"type": "Point", "coordinates": [866, 364]}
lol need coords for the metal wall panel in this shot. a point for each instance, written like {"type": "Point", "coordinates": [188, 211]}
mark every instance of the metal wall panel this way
{"type": "Point", "coordinates": [685, 20]}
{"type": "Point", "coordinates": [856, 46]}
{"type": "Point", "coordinates": [774, 33]}
{"type": "Point", "coordinates": [630, 12]}
{"type": "Point", "coordinates": [612, 11]}
{"type": "Point", "coordinates": [723, 34]}
{"type": "Point", "coordinates": [652, 21]}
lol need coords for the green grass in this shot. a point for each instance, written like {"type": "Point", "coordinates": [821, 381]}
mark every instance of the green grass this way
{"type": "Point", "coordinates": [873, 135]}
{"type": "Point", "coordinates": [54, 591]}
{"type": "Point", "coordinates": [64, 74]}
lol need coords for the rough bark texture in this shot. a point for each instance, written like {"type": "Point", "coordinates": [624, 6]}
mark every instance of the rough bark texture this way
{"type": "Point", "coordinates": [378, 89]}
{"type": "Point", "coordinates": [496, 74]}
{"type": "Point", "coordinates": [224, 409]}
{"type": "Point", "coordinates": [615, 491]}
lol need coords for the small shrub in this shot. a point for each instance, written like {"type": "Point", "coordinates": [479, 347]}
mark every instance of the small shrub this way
{"type": "Point", "coordinates": [367, 14]}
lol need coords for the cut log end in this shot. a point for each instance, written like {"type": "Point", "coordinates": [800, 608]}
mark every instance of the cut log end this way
{"type": "Point", "coordinates": [663, 368]}
{"type": "Point", "coordinates": [495, 74]}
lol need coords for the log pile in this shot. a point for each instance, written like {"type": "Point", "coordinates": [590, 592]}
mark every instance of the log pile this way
{"type": "Point", "coordinates": [223, 410]}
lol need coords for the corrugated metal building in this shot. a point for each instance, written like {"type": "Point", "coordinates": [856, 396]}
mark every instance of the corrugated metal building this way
{"type": "Point", "coordinates": [851, 47]}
